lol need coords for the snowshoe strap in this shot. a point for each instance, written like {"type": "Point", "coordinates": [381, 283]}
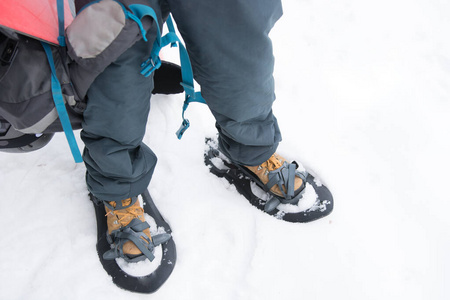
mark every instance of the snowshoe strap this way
{"type": "Point", "coordinates": [285, 176]}
{"type": "Point", "coordinates": [132, 232]}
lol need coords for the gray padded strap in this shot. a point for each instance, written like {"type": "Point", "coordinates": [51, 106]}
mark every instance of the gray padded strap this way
{"type": "Point", "coordinates": [290, 180]}
{"type": "Point", "coordinates": [285, 175]}
{"type": "Point", "coordinates": [135, 237]}
{"type": "Point", "coordinates": [138, 226]}
{"type": "Point", "coordinates": [132, 232]}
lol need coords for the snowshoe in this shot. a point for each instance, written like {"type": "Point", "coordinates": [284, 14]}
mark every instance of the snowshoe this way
{"type": "Point", "coordinates": [124, 270]}
{"type": "Point", "coordinates": [313, 200]}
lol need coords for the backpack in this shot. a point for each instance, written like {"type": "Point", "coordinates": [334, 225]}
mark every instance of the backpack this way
{"type": "Point", "coordinates": [43, 86]}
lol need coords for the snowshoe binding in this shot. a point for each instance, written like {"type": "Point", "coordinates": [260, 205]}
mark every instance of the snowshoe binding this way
{"type": "Point", "coordinates": [137, 260]}
{"type": "Point", "coordinates": [290, 193]}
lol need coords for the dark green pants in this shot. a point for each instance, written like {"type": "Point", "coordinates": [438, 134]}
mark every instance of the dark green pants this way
{"type": "Point", "coordinates": [232, 60]}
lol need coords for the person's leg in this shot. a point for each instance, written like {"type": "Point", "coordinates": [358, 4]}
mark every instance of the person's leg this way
{"type": "Point", "coordinates": [232, 60]}
{"type": "Point", "coordinates": [118, 164]}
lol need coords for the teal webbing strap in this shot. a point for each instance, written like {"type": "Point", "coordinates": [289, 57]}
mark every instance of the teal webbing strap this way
{"type": "Point", "coordinates": [140, 11]}
{"type": "Point", "coordinates": [60, 9]}
{"type": "Point", "coordinates": [61, 108]}
{"type": "Point", "coordinates": [186, 74]}
{"type": "Point", "coordinates": [154, 62]}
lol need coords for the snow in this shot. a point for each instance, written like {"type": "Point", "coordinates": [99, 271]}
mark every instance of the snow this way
{"type": "Point", "coordinates": [362, 99]}
{"type": "Point", "coordinates": [141, 268]}
{"type": "Point", "coordinates": [307, 201]}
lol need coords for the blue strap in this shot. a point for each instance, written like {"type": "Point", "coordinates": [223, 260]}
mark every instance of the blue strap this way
{"type": "Point", "coordinates": [154, 62]}
{"type": "Point", "coordinates": [60, 9]}
{"type": "Point", "coordinates": [61, 108]}
{"type": "Point", "coordinates": [140, 11]}
{"type": "Point", "coordinates": [187, 76]}
{"type": "Point", "coordinates": [189, 90]}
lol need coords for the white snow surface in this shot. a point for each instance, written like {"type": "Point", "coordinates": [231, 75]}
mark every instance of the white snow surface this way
{"type": "Point", "coordinates": [363, 91]}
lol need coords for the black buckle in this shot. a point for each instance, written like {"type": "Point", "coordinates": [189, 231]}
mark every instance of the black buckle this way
{"type": "Point", "coordinates": [4, 127]}
{"type": "Point", "coordinates": [9, 51]}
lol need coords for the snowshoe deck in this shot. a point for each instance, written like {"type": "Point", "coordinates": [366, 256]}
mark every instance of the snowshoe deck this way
{"type": "Point", "coordinates": [235, 175]}
{"type": "Point", "coordinates": [143, 284]}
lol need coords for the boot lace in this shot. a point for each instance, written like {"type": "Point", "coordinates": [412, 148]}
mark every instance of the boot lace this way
{"type": "Point", "coordinates": [273, 163]}
{"type": "Point", "coordinates": [124, 216]}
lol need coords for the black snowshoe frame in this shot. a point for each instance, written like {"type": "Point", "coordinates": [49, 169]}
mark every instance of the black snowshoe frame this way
{"type": "Point", "coordinates": [143, 284]}
{"type": "Point", "coordinates": [240, 178]}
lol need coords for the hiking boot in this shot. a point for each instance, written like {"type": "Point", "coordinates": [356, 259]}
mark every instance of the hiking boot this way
{"type": "Point", "coordinates": [122, 217]}
{"type": "Point", "coordinates": [276, 174]}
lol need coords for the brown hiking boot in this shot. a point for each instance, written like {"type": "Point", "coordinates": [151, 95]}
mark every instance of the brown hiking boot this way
{"type": "Point", "coordinates": [119, 218]}
{"type": "Point", "coordinates": [278, 184]}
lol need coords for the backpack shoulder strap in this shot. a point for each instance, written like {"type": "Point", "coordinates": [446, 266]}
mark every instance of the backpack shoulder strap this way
{"type": "Point", "coordinates": [61, 107]}
{"type": "Point", "coordinates": [56, 88]}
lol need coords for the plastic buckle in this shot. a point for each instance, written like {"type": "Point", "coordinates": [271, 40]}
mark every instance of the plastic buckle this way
{"type": "Point", "coordinates": [184, 126]}
{"type": "Point", "coordinates": [4, 127]}
{"type": "Point", "coordinates": [9, 52]}
{"type": "Point", "coordinates": [149, 66]}
{"type": "Point", "coordinates": [189, 90]}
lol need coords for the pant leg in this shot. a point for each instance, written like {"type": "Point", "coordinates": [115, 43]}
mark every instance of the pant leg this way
{"type": "Point", "coordinates": [232, 60]}
{"type": "Point", "coordinates": [118, 164]}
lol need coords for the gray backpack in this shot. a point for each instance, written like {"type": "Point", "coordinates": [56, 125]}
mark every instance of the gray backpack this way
{"type": "Point", "coordinates": [43, 86]}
